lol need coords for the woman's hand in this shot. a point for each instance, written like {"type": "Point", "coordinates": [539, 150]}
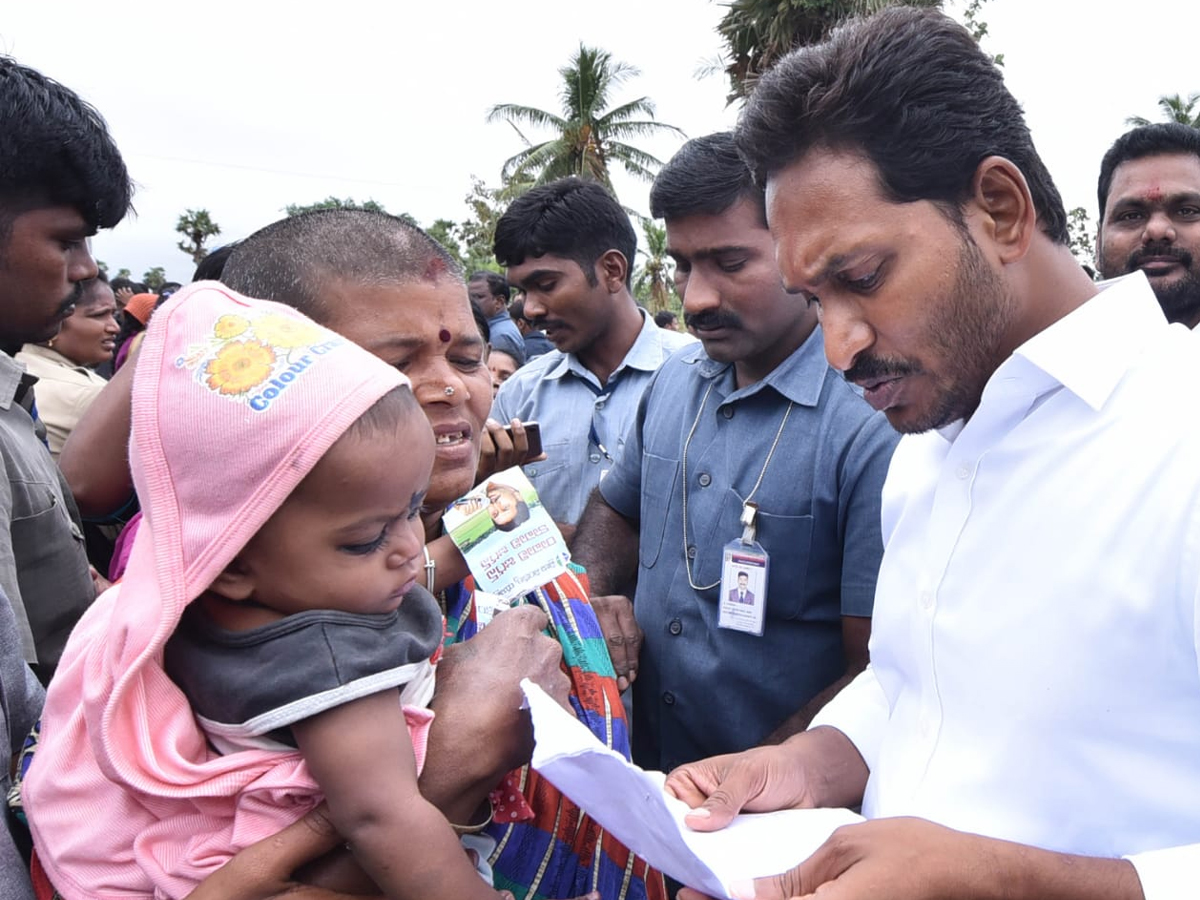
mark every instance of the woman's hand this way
{"type": "Point", "coordinates": [498, 451]}
{"type": "Point", "coordinates": [264, 871]}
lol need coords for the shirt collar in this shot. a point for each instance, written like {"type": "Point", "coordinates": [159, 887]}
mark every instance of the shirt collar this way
{"type": "Point", "coordinates": [52, 355]}
{"type": "Point", "coordinates": [11, 373]}
{"type": "Point", "coordinates": [1090, 349]}
{"type": "Point", "coordinates": [800, 377]}
{"type": "Point", "coordinates": [647, 354]}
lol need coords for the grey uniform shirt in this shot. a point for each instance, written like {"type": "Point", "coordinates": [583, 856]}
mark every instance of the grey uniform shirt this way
{"type": "Point", "coordinates": [43, 563]}
{"type": "Point", "coordinates": [21, 700]}
{"type": "Point", "coordinates": [702, 690]}
{"type": "Point", "coordinates": [583, 423]}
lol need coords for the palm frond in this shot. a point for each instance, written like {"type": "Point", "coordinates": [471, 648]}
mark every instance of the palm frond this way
{"type": "Point", "coordinates": [539, 118]}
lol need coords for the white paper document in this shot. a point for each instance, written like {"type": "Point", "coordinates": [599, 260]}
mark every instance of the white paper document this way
{"type": "Point", "coordinates": [631, 805]}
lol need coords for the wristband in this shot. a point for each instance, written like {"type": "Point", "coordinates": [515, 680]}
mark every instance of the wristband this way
{"type": "Point", "coordinates": [430, 571]}
{"type": "Point", "coordinates": [475, 829]}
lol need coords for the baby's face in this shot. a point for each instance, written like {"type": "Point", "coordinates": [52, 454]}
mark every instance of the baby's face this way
{"type": "Point", "coordinates": [349, 537]}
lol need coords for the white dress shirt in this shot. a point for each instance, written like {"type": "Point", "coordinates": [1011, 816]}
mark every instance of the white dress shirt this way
{"type": "Point", "coordinates": [1034, 670]}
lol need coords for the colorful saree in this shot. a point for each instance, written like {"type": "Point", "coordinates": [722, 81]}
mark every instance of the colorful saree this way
{"type": "Point", "coordinates": [552, 849]}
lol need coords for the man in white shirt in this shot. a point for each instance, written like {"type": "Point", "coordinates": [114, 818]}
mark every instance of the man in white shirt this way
{"type": "Point", "coordinates": [1149, 193]}
{"type": "Point", "coordinates": [1029, 726]}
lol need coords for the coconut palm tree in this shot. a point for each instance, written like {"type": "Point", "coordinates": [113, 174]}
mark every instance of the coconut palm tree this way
{"type": "Point", "coordinates": [654, 284]}
{"type": "Point", "coordinates": [588, 136]}
{"type": "Point", "coordinates": [758, 32]}
{"type": "Point", "coordinates": [1174, 109]}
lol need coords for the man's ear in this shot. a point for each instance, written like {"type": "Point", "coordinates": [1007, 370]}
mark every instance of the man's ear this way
{"type": "Point", "coordinates": [612, 268]}
{"type": "Point", "coordinates": [236, 581]}
{"type": "Point", "coordinates": [1002, 195]}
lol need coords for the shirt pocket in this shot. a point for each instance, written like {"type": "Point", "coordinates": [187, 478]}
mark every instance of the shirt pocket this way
{"type": "Point", "coordinates": [788, 542]}
{"type": "Point", "coordinates": [548, 473]}
{"type": "Point", "coordinates": [659, 476]}
{"type": "Point", "coordinates": [39, 522]}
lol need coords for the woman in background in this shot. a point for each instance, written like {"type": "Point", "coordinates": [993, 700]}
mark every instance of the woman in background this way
{"type": "Point", "coordinates": [67, 383]}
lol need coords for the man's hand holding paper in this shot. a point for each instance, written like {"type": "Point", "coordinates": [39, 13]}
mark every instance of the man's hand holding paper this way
{"type": "Point", "coordinates": [633, 805]}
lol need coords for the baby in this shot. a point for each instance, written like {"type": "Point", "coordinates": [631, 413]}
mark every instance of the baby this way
{"type": "Point", "coordinates": [270, 597]}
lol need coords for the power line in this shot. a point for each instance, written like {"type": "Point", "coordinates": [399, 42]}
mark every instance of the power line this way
{"type": "Point", "coordinates": [241, 166]}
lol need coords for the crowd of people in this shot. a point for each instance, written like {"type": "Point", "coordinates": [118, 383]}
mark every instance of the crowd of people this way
{"type": "Point", "coordinates": [907, 520]}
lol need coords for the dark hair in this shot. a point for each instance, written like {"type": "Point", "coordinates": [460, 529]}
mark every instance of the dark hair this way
{"type": "Point", "coordinates": [705, 177]}
{"type": "Point", "coordinates": [497, 283]}
{"type": "Point", "coordinates": [664, 317]}
{"type": "Point", "coordinates": [117, 283]}
{"type": "Point", "coordinates": [88, 293]}
{"type": "Point", "coordinates": [130, 326]}
{"type": "Point", "coordinates": [1158, 139]}
{"type": "Point", "coordinates": [481, 323]}
{"type": "Point", "coordinates": [386, 413]}
{"type": "Point", "coordinates": [211, 267]}
{"type": "Point", "coordinates": [909, 89]}
{"type": "Point", "coordinates": [575, 219]}
{"type": "Point", "coordinates": [516, 309]}
{"type": "Point", "coordinates": [55, 150]}
{"type": "Point", "coordinates": [292, 260]}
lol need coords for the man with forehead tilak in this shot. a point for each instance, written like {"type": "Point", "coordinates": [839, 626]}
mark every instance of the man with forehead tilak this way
{"type": "Point", "coordinates": [1029, 724]}
{"type": "Point", "coordinates": [1149, 193]}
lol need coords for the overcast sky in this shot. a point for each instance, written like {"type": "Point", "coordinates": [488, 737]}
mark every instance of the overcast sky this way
{"type": "Point", "coordinates": [242, 108]}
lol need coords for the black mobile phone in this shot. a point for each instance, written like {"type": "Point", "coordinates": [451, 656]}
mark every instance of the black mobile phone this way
{"type": "Point", "coordinates": [533, 434]}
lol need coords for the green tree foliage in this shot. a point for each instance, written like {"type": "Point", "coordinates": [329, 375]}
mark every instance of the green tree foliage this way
{"type": "Point", "coordinates": [1082, 236]}
{"type": "Point", "coordinates": [331, 202]}
{"type": "Point", "coordinates": [445, 232]}
{"type": "Point", "coordinates": [978, 27]}
{"type": "Point", "coordinates": [155, 278]}
{"type": "Point", "coordinates": [758, 32]}
{"type": "Point", "coordinates": [1174, 109]}
{"type": "Point", "coordinates": [654, 282]}
{"type": "Point", "coordinates": [196, 226]}
{"type": "Point", "coordinates": [123, 273]}
{"type": "Point", "coordinates": [588, 135]}
{"type": "Point", "coordinates": [102, 266]}
{"type": "Point", "coordinates": [477, 233]}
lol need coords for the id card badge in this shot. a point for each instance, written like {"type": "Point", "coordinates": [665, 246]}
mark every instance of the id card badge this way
{"type": "Point", "coordinates": [743, 587]}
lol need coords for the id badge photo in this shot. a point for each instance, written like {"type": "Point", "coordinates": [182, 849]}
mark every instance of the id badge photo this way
{"type": "Point", "coordinates": [743, 598]}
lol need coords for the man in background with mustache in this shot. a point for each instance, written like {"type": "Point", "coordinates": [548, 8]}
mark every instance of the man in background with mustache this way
{"type": "Point", "coordinates": [753, 418]}
{"type": "Point", "coordinates": [61, 179]}
{"type": "Point", "coordinates": [1149, 197]}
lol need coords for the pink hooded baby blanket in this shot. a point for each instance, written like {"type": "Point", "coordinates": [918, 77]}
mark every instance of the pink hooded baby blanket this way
{"type": "Point", "coordinates": [234, 401]}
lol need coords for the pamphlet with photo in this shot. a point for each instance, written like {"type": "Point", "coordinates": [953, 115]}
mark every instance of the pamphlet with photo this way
{"type": "Point", "coordinates": [508, 539]}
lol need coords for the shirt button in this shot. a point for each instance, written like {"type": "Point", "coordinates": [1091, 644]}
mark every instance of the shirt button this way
{"type": "Point", "coordinates": [727, 412]}
{"type": "Point", "coordinates": [691, 552]}
{"type": "Point", "coordinates": [595, 457]}
{"type": "Point", "coordinates": [705, 479]}
{"type": "Point", "coordinates": [963, 473]}
{"type": "Point", "coordinates": [676, 627]}
{"type": "Point", "coordinates": [927, 599]}
{"type": "Point", "coordinates": [668, 698]}
{"type": "Point", "coordinates": [531, 470]}
{"type": "Point", "coordinates": [599, 404]}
